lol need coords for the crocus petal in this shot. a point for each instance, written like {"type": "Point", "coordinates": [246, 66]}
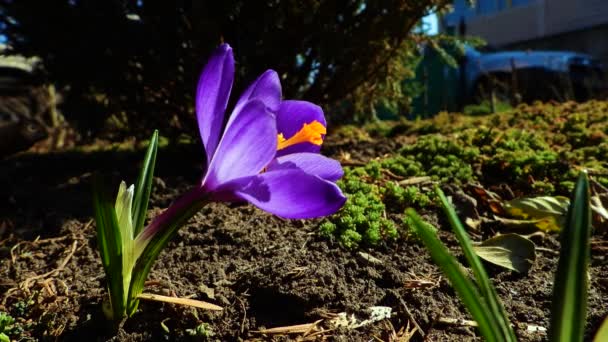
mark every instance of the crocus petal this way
{"type": "Point", "coordinates": [294, 114]}
{"type": "Point", "coordinates": [299, 148]}
{"type": "Point", "coordinates": [291, 193]}
{"type": "Point", "coordinates": [212, 96]}
{"type": "Point", "coordinates": [266, 88]}
{"type": "Point", "coordinates": [311, 163]}
{"type": "Point", "coordinates": [291, 117]}
{"type": "Point", "coordinates": [247, 146]}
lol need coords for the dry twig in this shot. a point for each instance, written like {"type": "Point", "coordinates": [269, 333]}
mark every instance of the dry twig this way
{"type": "Point", "coordinates": [181, 301]}
{"type": "Point", "coordinates": [411, 318]}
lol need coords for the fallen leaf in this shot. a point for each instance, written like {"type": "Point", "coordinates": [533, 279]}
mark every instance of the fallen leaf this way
{"type": "Point", "coordinates": [599, 204]}
{"type": "Point", "coordinates": [598, 207]}
{"type": "Point", "coordinates": [511, 251]}
{"type": "Point", "coordinates": [488, 198]}
{"type": "Point", "coordinates": [549, 211]}
{"type": "Point", "coordinates": [473, 224]}
{"type": "Point", "coordinates": [545, 224]}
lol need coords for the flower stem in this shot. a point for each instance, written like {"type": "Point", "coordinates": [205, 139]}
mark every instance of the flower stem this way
{"type": "Point", "coordinates": [155, 237]}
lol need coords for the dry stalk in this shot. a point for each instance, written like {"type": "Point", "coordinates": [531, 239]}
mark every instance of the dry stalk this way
{"type": "Point", "coordinates": [180, 301]}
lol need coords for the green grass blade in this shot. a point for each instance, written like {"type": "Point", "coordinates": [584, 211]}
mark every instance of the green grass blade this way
{"type": "Point", "coordinates": [569, 306]}
{"type": "Point", "coordinates": [487, 290]}
{"type": "Point", "coordinates": [110, 246]}
{"type": "Point", "coordinates": [144, 185]}
{"type": "Point", "coordinates": [465, 288]}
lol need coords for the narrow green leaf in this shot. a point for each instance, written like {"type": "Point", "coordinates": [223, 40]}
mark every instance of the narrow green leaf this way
{"type": "Point", "coordinates": [499, 315]}
{"type": "Point", "coordinates": [123, 208]}
{"type": "Point", "coordinates": [110, 247]}
{"type": "Point", "coordinates": [152, 250]}
{"type": "Point", "coordinates": [124, 201]}
{"type": "Point", "coordinates": [569, 306]}
{"type": "Point", "coordinates": [143, 186]}
{"type": "Point", "coordinates": [465, 288]}
{"type": "Point", "coordinates": [511, 251]}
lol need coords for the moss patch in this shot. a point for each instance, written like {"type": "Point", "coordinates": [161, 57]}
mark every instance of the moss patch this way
{"type": "Point", "coordinates": [533, 150]}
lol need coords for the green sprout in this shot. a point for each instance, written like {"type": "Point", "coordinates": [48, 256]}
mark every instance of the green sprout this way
{"type": "Point", "coordinates": [117, 228]}
{"type": "Point", "coordinates": [6, 323]}
{"type": "Point", "coordinates": [570, 290]}
{"type": "Point", "coordinates": [202, 330]}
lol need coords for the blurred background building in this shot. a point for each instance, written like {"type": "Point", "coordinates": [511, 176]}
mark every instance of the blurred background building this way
{"type": "Point", "coordinates": [576, 25]}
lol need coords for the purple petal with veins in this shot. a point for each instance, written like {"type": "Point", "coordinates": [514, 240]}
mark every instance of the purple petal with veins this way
{"type": "Point", "coordinates": [212, 96]}
{"type": "Point", "coordinates": [266, 88]}
{"type": "Point", "coordinates": [248, 145]}
{"type": "Point", "coordinates": [290, 193]}
{"type": "Point", "coordinates": [311, 163]}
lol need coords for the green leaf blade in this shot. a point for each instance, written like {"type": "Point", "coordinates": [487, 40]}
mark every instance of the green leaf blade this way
{"type": "Point", "coordinates": [499, 315]}
{"type": "Point", "coordinates": [123, 206]}
{"type": "Point", "coordinates": [110, 247]}
{"type": "Point", "coordinates": [143, 186]}
{"type": "Point", "coordinates": [155, 245]}
{"type": "Point", "coordinates": [465, 288]}
{"type": "Point", "coordinates": [569, 307]}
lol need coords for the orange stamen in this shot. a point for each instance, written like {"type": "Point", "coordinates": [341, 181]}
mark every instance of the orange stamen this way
{"type": "Point", "coordinates": [309, 133]}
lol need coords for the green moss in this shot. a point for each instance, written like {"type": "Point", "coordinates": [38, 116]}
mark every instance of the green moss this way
{"type": "Point", "coordinates": [397, 198]}
{"type": "Point", "coordinates": [373, 169]}
{"type": "Point", "coordinates": [541, 187]}
{"type": "Point", "coordinates": [532, 149]}
{"type": "Point", "coordinates": [6, 323]}
{"type": "Point", "coordinates": [403, 166]}
{"type": "Point", "coordinates": [202, 330]}
{"type": "Point", "coordinates": [362, 219]}
{"type": "Point", "coordinates": [444, 159]}
{"type": "Point", "coordinates": [9, 328]}
{"type": "Point", "coordinates": [524, 160]}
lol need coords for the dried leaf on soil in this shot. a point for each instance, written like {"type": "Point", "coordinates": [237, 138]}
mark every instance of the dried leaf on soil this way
{"type": "Point", "coordinates": [550, 210]}
{"type": "Point", "coordinates": [511, 251]}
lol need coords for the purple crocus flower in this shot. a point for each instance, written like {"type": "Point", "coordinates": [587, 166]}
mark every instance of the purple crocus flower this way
{"type": "Point", "coordinates": [267, 153]}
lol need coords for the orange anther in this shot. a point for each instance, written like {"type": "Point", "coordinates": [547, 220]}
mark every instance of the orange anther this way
{"type": "Point", "coordinates": [311, 133]}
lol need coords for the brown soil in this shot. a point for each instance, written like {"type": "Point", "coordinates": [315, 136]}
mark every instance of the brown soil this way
{"type": "Point", "coordinates": [264, 271]}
